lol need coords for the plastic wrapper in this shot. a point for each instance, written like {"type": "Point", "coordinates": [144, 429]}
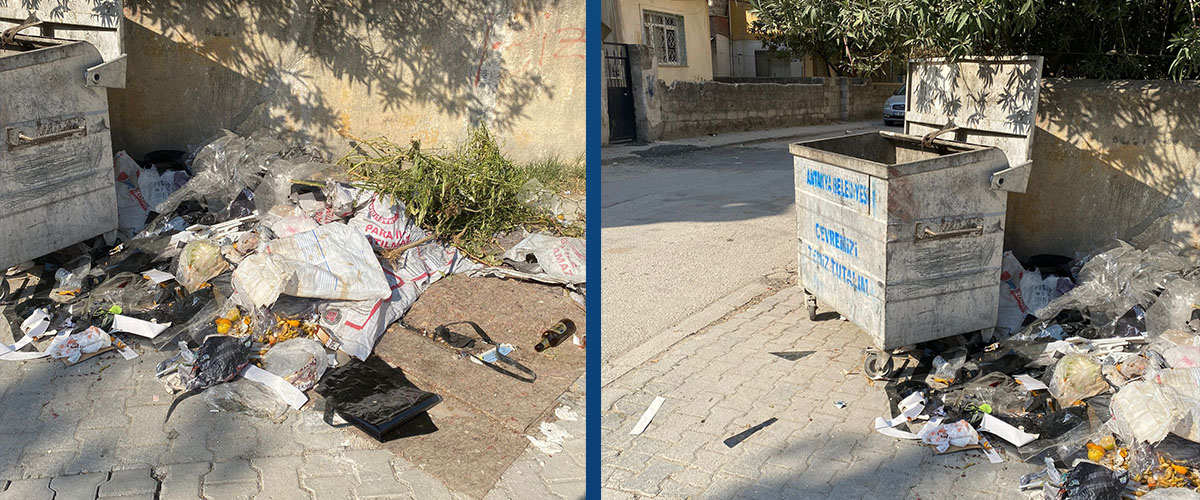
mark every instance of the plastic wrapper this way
{"type": "Point", "coordinates": [560, 257]}
{"type": "Point", "coordinates": [229, 163]}
{"type": "Point", "coordinates": [1173, 309]}
{"type": "Point", "coordinates": [1113, 281]}
{"type": "Point", "coordinates": [246, 397]}
{"type": "Point", "coordinates": [299, 361]}
{"type": "Point", "coordinates": [1001, 393]}
{"type": "Point", "coordinates": [946, 368]}
{"type": "Point", "coordinates": [192, 328]}
{"type": "Point", "coordinates": [69, 279]}
{"type": "Point", "coordinates": [1076, 377]}
{"type": "Point", "coordinates": [199, 262]}
{"type": "Point", "coordinates": [134, 295]}
{"type": "Point", "coordinates": [72, 347]}
{"type": "Point", "coordinates": [276, 184]}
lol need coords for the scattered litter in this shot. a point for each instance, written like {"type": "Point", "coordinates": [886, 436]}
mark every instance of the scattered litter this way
{"type": "Point", "coordinates": [256, 260]}
{"type": "Point", "coordinates": [732, 441]}
{"type": "Point", "coordinates": [566, 413]}
{"type": "Point", "coordinates": [555, 335]}
{"type": "Point", "coordinates": [647, 416]}
{"type": "Point", "coordinates": [552, 441]}
{"type": "Point", "coordinates": [839, 404]}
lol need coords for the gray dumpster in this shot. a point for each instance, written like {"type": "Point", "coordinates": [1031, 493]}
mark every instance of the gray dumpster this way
{"type": "Point", "coordinates": [903, 233]}
{"type": "Point", "coordinates": [56, 175]}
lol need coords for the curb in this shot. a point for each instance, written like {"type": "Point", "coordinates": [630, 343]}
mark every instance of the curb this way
{"type": "Point", "coordinates": [692, 324]}
{"type": "Point", "coordinates": [757, 140]}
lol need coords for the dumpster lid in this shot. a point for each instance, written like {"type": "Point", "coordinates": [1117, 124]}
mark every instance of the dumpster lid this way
{"type": "Point", "coordinates": [98, 22]}
{"type": "Point", "coordinates": [991, 100]}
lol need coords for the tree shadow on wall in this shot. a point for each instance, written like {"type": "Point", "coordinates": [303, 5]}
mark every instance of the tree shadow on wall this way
{"type": "Point", "coordinates": [252, 63]}
{"type": "Point", "coordinates": [1111, 159]}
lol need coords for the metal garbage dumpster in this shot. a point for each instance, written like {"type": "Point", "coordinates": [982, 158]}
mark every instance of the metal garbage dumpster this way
{"type": "Point", "coordinates": [57, 60]}
{"type": "Point", "coordinates": [903, 233]}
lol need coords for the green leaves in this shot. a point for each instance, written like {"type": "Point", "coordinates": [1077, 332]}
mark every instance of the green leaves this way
{"type": "Point", "coordinates": [1080, 38]}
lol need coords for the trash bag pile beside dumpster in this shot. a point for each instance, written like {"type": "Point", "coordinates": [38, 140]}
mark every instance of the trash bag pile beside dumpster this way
{"type": "Point", "coordinates": [1092, 373]}
{"type": "Point", "coordinates": [256, 262]}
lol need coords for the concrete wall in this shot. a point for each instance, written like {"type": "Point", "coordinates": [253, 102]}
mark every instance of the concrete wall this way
{"type": "Point", "coordinates": [1111, 159]}
{"type": "Point", "coordinates": [690, 109]}
{"type": "Point", "coordinates": [866, 99]}
{"type": "Point", "coordinates": [696, 31]}
{"type": "Point", "coordinates": [406, 70]}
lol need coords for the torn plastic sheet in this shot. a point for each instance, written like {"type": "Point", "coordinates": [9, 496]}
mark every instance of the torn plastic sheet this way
{"type": "Point", "coordinates": [910, 408]}
{"type": "Point", "coordinates": [137, 327]}
{"type": "Point", "coordinates": [1030, 383]}
{"type": "Point", "coordinates": [294, 397]}
{"type": "Point", "coordinates": [1005, 431]}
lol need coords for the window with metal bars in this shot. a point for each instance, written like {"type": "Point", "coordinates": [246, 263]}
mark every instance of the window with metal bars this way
{"type": "Point", "coordinates": [664, 35]}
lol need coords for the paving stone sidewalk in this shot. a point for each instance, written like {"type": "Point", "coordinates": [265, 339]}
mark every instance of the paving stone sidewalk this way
{"type": "Point", "coordinates": [95, 430]}
{"type": "Point", "coordinates": [722, 381]}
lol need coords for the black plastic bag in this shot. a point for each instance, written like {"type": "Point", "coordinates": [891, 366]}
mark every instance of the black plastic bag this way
{"type": "Point", "coordinates": [374, 397]}
{"type": "Point", "coordinates": [1090, 481]}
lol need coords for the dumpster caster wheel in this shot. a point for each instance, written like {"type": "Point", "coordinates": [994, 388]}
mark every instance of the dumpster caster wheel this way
{"type": "Point", "coordinates": [811, 302]}
{"type": "Point", "coordinates": [876, 368]}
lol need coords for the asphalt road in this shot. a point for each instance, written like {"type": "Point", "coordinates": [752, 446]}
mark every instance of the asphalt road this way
{"type": "Point", "coordinates": [681, 229]}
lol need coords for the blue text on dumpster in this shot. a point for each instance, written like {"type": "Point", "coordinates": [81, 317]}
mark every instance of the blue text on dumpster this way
{"type": "Point", "coordinates": [851, 277]}
{"type": "Point", "coordinates": [836, 239]}
{"type": "Point", "coordinates": [842, 188]}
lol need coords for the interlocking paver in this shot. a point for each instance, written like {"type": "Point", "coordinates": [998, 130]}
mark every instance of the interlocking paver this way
{"type": "Point", "coordinates": [813, 450]}
{"type": "Point", "coordinates": [77, 486]}
{"type": "Point", "coordinates": [129, 482]}
{"type": "Point", "coordinates": [28, 489]}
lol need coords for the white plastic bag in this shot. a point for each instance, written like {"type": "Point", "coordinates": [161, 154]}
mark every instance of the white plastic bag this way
{"type": "Point", "coordinates": [358, 325]}
{"type": "Point", "coordinates": [943, 436]}
{"type": "Point", "coordinates": [333, 261]}
{"type": "Point", "coordinates": [72, 347]}
{"type": "Point", "coordinates": [561, 257]}
{"type": "Point", "coordinates": [132, 207]}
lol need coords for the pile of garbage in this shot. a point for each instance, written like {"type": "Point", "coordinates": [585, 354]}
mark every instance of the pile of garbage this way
{"type": "Point", "coordinates": [1093, 372]}
{"type": "Point", "coordinates": [257, 262]}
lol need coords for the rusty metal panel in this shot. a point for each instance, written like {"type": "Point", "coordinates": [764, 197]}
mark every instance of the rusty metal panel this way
{"type": "Point", "coordinates": [56, 173]}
